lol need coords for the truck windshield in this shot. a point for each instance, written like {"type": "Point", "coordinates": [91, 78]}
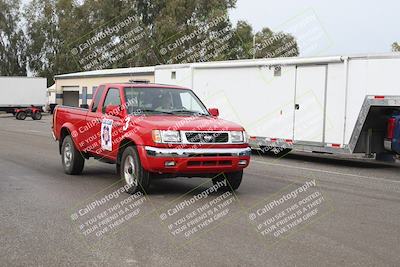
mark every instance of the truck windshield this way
{"type": "Point", "coordinates": [163, 101]}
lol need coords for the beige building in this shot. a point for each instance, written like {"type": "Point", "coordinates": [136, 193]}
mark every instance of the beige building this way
{"type": "Point", "coordinates": [75, 89]}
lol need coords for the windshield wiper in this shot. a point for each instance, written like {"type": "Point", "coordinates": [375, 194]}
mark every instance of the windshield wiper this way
{"type": "Point", "coordinates": [154, 111]}
{"type": "Point", "coordinates": [188, 111]}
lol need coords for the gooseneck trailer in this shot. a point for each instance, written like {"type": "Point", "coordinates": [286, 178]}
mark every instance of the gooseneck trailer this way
{"type": "Point", "coordinates": [339, 104]}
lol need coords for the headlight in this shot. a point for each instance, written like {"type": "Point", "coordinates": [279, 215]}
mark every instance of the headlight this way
{"type": "Point", "coordinates": [160, 136]}
{"type": "Point", "coordinates": [237, 136]}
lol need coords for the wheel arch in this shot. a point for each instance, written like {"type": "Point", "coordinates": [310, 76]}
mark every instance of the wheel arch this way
{"type": "Point", "coordinates": [67, 129]}
{"type": "Point", "coordinates": [64, 132]}
{"type": "Point", "coordinates": [122, 145]}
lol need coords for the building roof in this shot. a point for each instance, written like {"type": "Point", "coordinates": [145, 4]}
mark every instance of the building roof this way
{"type": "Point", "coordinates": [108, 72]}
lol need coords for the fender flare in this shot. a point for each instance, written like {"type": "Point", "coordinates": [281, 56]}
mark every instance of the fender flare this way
{"type": "Point", "coordinates": [72, 130]}
{"type": "Point", "coordinates": [130, 138]}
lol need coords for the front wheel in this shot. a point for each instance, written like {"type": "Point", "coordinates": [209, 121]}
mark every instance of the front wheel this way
{"type": "Point", "coordinates": [132, 173]}
{"type": "Point", "coordinates": [72, 160]}
{"type": "Point", "coordinates": [234, 179]}
{"type": "Point", "coordinates": [21, 115]}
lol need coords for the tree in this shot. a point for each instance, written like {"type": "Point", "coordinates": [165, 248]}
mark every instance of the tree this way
{"type": "Point", "coordinates": [12, 40]}
{"type": "Point", "coordinates": [269, 44]}
{"type": "Point", "coordinates": [69, 36]}
{"type": "Point", "coordinates": [186, 30]}
{"type": "Point", "coordinates": [263, 44]}
{"type": "Point", "coordinates": [51, 24]}
{"type": "Point", "coordinates": [396, 47]}
{"type": "Point", "coordinates": [242, 42]}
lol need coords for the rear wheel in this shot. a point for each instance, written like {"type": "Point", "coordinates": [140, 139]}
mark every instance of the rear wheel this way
{"type": "Point", "coordinates": [234, 180]}
{"type": "Point", "coordinates": [72, 160]}
{"type": "Point", "coordinates": [37, 115]}
{"type": "Point", "coordinates": [132, 173]}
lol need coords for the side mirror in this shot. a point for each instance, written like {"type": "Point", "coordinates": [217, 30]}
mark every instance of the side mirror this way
{"type": "Point", "coordinates": [85, 106]}
{"type": "Point", "coordinates": [114, 110]}
{"type": "Point", "coordinates": [214, 112]}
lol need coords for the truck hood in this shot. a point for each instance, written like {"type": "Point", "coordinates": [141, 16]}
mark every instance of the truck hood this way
{"type": "Point", "coordinates": [186, 123]}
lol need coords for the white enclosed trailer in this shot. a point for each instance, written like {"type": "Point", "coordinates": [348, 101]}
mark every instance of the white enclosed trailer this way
{"type": "Point", "coordinates": [20, 92]}
{"type": "Point", "coordinates": [334, 104]}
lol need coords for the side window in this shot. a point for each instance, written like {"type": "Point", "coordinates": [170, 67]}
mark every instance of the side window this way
{"type": "Point", "coordinates": [112, 98]}
{"type": "Point", "coordinates": [96, 100]}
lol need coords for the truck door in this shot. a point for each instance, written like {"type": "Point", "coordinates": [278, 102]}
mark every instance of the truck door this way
{"type": "Point", "coordinates": [310, 104]}
{"type": "Point", "coordinates": [112, 124]}
{"type": "Point", "coordinates": [93, 123]}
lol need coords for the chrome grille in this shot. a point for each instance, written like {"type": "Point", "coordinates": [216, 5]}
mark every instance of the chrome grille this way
{"type": "Point", "coordinates": [207, 137]}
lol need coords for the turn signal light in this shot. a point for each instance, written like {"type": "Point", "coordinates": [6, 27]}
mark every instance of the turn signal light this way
{"type": "Point", "coordinates": [242, 162]}
{"type": "Point", "coordinates": [170, 164]}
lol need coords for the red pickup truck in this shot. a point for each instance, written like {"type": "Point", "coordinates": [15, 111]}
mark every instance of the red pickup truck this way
{"type": "Point", "coordinates": [151, 131]}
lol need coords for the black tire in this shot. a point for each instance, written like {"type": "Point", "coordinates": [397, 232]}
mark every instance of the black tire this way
{"type": "Point", "coordinates": [132, 173]}
{"type": "Point", "coordinates": [118, 169]}
{"type": "Point", "coordinates": [277, 152]}
{"type": "Point", "coordinates": [72, 160]}
{"type": "Point", "coordinates": [37, 115]}
{"type": "Point", "coordinates": [283, 153]}
{"type": "Point", "coordinates": [22, 115]}
{"type": "Point", "coordinates": [234, 180]}
{"type": "Point", "coordinates": [17, 115]}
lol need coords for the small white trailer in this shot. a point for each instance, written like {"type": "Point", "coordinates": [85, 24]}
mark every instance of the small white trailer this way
{"type": "Point", "coordinates": [22, 92]}
{"type": "Point", "coordinates": [338, 104]}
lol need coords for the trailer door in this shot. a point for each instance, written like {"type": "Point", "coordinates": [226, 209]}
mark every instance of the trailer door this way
{"type": "Point", "coordinates": [310, 104]}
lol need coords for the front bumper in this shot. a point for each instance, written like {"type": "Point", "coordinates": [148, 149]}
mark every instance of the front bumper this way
{"type": "Point", "coordinates": [194, 161]}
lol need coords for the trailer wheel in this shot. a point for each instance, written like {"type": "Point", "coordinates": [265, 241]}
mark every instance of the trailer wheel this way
{"type": "Point", "coordinates": [37, 115]}
{"type": "Point", "coordinates": [283, 153]}
{"type": "Point", "coordinates": [72, 160]}
{"type": "Point", "coordinates": [21, 115]}
{"type": "Point", "coordinates": [132, 173]}
{"type": "Point", "coordinates": [275, 152]}
{"type": "Point", "coordinates": [234, 180]}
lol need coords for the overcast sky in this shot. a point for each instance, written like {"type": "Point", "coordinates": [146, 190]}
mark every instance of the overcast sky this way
{"type": "Point", "coordinates": [353, 26]}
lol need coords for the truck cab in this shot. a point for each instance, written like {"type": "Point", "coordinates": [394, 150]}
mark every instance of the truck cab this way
{"type": "Point", "coordinates": [151, 131]}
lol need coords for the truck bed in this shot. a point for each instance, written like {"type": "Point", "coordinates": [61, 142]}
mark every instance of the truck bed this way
{"type": "Point", "coordinates": [68, 115]}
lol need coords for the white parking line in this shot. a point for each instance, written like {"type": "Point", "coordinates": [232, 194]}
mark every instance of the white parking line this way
{"type": "Point", "coordinates": [324, 171]}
